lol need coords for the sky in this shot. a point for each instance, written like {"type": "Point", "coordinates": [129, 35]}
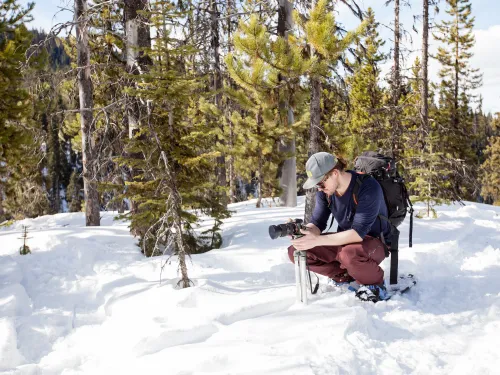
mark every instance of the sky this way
{"type": "Point", "coordinates": [486, 30]}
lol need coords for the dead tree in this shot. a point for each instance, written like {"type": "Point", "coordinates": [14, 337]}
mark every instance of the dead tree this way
{"type": "Point", "coordinates": [138, 39]}
{"type": "Point", "coordinates": [425, 68]}
{"type": "Point", "coordinates": [87, 119]}
{"type": "Point", "coordinates": [217, 87]}
{"type": "Point", "coordinates": [288, 171]}
{"type": "Point", "coordinates": [314, 133]}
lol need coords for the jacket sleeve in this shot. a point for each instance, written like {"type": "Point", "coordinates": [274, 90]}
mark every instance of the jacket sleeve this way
{"type": "Point", "coordinates": [321, 211]}
{"type": "Point", "coordinates": [370, 197]}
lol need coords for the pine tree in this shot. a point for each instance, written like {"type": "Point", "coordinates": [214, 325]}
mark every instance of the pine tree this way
{"type": "Point", "coordinates": [118, 115]}
{"type": "Point", "coordinates": [368, 121]}
{"type": "Point", "coordinates": [177, 144]}
{"type": "Point", "coordinates": [490, 172]}
{"type": "Point", "coordinates": [217, 89]}
{"type": "Point", "coordinates": [395, 132]}
{"type": "Point", "coordinates": [325, 48]}
{"type": "Point", "coordinates": [422, 161]}
{"type": "Point", "coordinates": [455, 116]}
{"type": "Point", "coordinates": [17, 146]}
{"type": "Point", "coordinates": [87, 117]}
{"type": "Point", "coordinates": [425, 67]}
{"type": "Point", "coordinates": [267, 72]}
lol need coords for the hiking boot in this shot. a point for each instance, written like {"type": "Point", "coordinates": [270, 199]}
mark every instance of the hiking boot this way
{"type": "Point", "coordinates": [373, 293]}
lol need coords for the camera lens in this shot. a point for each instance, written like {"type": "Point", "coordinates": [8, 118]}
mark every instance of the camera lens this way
{"type": "Point", "coordinates": [274, 231]}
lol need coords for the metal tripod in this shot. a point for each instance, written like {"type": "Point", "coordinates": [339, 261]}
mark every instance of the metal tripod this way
{"type": "Point", "coordinates": [300, 260]}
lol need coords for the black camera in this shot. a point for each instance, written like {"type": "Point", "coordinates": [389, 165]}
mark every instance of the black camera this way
{"type": "Point", "coordinates": [291, 228]}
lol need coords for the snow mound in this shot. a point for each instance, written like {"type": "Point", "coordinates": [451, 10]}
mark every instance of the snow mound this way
{"type": "Point", "coordinates": [87, 302]}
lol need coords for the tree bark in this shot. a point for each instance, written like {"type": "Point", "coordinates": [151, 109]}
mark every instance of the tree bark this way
{"type": "Point", "coordinates": [87, 119]}
{"type": "Point", "coordinates": [138, 39]}
{"type": "Point", "coordinates": [176, 203]}
{"type": "Point", "coordinates": [396, 85]}
{"type": "Point", "coordinates": [425, 73]}
{"type": "Point", "coordinates": [288, 173]}
{"type": "Point", "coordinates": [217, 87]}
{"type": "Point", "coordinates": [2, 211]}
{"type": "Point", "coordinates": [314, 132]}
{"type": "Point", "coordinates": [55, 166]}
{"type": "Point", "coordinates": [260, 170]}
{"type": "Point", "coordinates": [456, 121]}
{"type": "Point", "coordinates": [232, 177]}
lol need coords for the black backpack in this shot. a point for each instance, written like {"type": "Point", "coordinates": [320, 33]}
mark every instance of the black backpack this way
{"type": "Point", "coordinates": [383, 169]}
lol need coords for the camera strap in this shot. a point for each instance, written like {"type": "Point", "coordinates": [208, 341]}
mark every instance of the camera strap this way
{"type": "Point", "coordinates": [310, 281]}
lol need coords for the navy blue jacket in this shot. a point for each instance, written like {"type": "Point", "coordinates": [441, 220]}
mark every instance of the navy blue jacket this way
{"type": "Point", "coordinates": [371, 203]}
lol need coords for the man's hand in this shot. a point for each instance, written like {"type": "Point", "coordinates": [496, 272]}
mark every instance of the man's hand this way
{"type": "Point", "coordinates": [311, 228]}
{"type": "Point", "coordinates": [310, 239]}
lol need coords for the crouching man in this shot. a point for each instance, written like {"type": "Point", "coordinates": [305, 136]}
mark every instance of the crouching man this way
{"type": "Point", "coordinates": [352, 255]}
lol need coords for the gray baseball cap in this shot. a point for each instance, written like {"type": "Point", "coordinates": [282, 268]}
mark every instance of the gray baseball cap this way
{"type": "Point", "coordinates": [317, 166]}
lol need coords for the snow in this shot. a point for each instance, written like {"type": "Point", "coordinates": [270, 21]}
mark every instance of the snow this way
{"type": "Point", "coordinates": [87, 302]}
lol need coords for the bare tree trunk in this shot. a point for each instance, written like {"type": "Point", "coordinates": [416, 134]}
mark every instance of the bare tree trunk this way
{"type": "Point", "coordinates": [396, 85]}
{"type": "Point", "coordinates": [87, 118]}
{"type": "Point", "coordinates": [288, 173]}
{"type": "Point", "coordinates": [56, 189]}
{"type": "Point", "coordinates": [232, 177]}
{"type": "Point", "coordinates": [314, 132]}
{"type": "Point", "coordinates": [260, 170]}
{"type": "Point", "coordinates": [260, 182]}
{"type": "Point", "coordinates": [217, 87]}
{"type": "Point", "coordinates": [57, 194]}
{"type": "Point", "coordinates": [397, 40]}
{"type": "Point", "coordinates": [457, 77]}
{"type": "Point", "coordinates": [425, 72]}
{"type": "Point", "coordinates": [2, 211]}
{"type": "Point", "coordinates": [176, 200]}
{"type": "Point", "coordinates": [137, 39]}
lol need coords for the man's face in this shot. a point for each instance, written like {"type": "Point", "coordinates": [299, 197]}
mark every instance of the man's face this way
{"type": "Point", "coordinates": [330, 184]}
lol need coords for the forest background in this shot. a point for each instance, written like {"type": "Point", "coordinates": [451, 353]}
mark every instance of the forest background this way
{"type": "Point", "coordinates": [165, 110]}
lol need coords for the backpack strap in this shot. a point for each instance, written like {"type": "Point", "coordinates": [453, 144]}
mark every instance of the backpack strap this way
{"type": "Point", "coordinates": [394, 231]}
{"type": "Point", "coordinates": [359, 181]}
{"type": "Point", "coordinates": [360, 178]}
{"type": "Point", "coordinates": [393, 250]}
{"type": "Point", "coordinates": [407, 198]}
{"type": "Point", "coordinates": [335, 208]}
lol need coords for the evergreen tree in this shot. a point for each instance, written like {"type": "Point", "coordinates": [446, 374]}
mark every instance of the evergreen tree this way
{"type": "Point", "coordinates": [17, 146]}
{"type": "Point", "coordinates": [57, 164]}
{"type": "Point", "coordinates": [325, 48]}
{"type": "Point", "coordinates": [490, 171]}
{"type": "Point", "coordinates": [455, 116]}
{"type": "Point", "coordinates": [267, 72]}
{"type": "Point", "coordinates": [395, 132]}
{"type": "Point", "coordinates": [367, 122]}
{"type": "Point", "coordinates": [422, 161]}
{"type": "Point", "coordinates": [177, 145]}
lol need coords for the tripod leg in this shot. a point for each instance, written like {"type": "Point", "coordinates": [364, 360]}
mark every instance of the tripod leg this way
{"type": "Point", "coordinates": [296, 260]}
{"type": "Point", "coordinates": [303, 276]}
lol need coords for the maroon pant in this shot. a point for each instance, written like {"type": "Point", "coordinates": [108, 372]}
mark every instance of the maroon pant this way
{"type": "Point", "coordinates": [359, 260]}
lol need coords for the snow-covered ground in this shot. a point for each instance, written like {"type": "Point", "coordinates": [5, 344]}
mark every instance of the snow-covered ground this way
{"type": "Point", "coordinates": [87, 302]}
